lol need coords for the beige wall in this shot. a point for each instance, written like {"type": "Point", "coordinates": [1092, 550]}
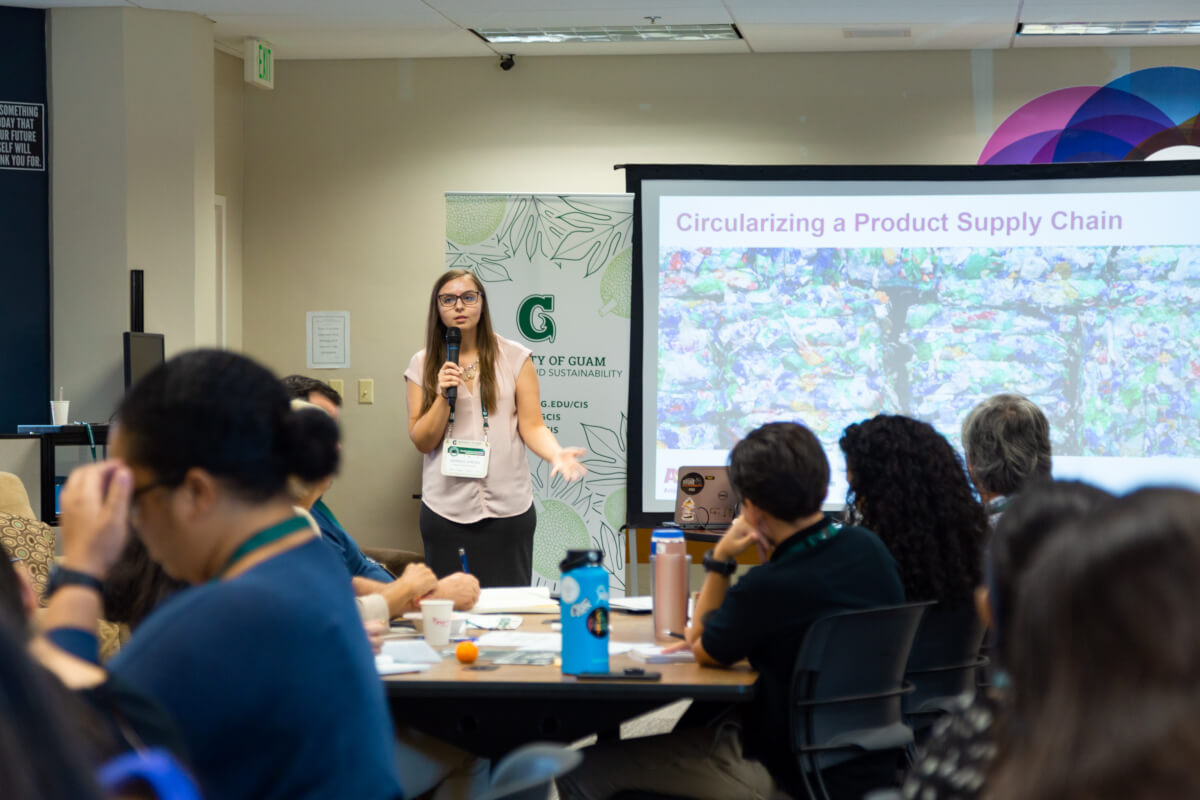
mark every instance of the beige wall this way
{"type": "Point", "coordinates": [88, 181]}
{"type": "Point", "coordinates": [23, 457]}
{"type": "Point", "coordinates": [131, 96]}
{"type": "Point", "coordinates": [229, 124]}
{"type": "Point", "coordinates": [347, 164]}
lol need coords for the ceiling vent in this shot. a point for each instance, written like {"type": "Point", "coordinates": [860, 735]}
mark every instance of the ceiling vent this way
{"type": "Point", "coordinates": [876, 33]}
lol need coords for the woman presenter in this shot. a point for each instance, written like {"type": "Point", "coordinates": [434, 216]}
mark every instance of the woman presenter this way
{"type": "Point", "coordinates": [472, 417]}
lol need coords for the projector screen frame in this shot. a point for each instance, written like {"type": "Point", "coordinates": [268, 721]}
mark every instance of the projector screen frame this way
{"type": "Point", "coordinates": [637, 516]}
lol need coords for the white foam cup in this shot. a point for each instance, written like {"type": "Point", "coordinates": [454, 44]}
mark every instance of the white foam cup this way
{"type": "Point", "coordinates": [60, 412]}
{"type": "Point", "coordinates": [437, 616]}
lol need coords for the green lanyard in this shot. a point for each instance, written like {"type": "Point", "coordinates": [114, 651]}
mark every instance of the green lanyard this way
{"type": "Point", "coordinates": [814, 539]}
{"type": "Point", "coordinates": [450, 427]}
{"type": "Point", "coordinates": [262, 539]}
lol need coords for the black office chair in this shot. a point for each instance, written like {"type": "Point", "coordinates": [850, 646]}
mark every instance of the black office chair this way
{"type": "Point", "coordinates": [943, 664]}
{"type": "Point", "coordinates": [528, 772]}
{"type": "Point", "coordinates": [847, 689]}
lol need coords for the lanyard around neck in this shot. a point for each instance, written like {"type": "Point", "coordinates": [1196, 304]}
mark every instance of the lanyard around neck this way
{"type": "Point", "coordinates": [813, 539]}
{"type": "Point", "coordinates": [450, 425]}
{"type": "Point", "coordinates": [262, 539]}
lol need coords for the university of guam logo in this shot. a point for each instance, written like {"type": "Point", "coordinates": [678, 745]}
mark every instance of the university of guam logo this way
{"type": "Point", "coordinates": [533, 318]}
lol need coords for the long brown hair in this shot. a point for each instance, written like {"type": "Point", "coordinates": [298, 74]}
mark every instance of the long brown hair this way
{"type": "Point", "coordinates": [1105, 659]}
{"type": "Point", "coordinates": [435, 343]}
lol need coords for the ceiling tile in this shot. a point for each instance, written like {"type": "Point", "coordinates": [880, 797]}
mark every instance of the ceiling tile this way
{"type": "Point", "coordinates": [1108, 10]}
{"type": "Point", "coordinates": [767, 12]}
{"type": "Point", "coordinates": [320, 12]}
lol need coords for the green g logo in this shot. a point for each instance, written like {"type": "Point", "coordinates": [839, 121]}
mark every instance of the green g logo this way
{"type": "Point", "coordinates": [533, 318]}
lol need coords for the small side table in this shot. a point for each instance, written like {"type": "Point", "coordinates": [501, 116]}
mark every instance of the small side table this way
{"type": "Point", "coordinates": [52, 437]}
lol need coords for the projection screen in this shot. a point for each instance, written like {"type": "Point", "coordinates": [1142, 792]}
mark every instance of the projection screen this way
{"type": "Point", "coordinates": [828, 295]}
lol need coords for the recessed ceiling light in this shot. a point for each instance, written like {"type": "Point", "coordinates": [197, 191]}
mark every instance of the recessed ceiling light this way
{"type": "Point", "coordinates": [1148, 28]}
{"type": "Point", "coordinates": [609, 33]}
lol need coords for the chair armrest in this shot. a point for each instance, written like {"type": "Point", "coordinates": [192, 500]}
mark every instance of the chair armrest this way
{"type": "Point", "coordinates": [908, 688]}
{"type": "Point", "coordinates": [982, 661]}
{"type": "Point", "coordinates": [394, 559]}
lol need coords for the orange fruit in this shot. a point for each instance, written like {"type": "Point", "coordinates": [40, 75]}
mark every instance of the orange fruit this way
{"type": "Point", "coordinates": [466, 652]}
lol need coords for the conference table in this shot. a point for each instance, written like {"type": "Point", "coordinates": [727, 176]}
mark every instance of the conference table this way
{"type": "Point", "coordinates": [493, 710]}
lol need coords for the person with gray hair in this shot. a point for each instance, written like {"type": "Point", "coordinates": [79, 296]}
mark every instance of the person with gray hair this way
{"type": "Point", "coordinates": [1006, 442]}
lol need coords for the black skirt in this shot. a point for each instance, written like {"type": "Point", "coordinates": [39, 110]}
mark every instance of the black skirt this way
{"type": "Point", "coordinates": [499, 551]}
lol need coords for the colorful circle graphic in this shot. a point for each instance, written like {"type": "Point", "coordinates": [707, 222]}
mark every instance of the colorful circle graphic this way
{"type": "Point", "coordinates": [1149, 114]}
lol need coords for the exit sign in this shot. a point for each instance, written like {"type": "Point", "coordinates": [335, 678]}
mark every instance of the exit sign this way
{"type": "Point", "coordinates": [259, 64]}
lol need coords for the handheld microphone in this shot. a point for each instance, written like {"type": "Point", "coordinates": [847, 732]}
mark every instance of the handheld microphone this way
{"type": "Point", "coordinates": [453, 340]}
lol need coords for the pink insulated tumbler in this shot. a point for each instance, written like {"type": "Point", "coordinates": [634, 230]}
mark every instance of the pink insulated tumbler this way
{"type": "Point", "coordinates": [669, 582]}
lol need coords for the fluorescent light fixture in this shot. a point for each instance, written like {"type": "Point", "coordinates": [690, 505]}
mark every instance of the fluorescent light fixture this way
{"type": "Point", "coordinates": [609, 33]}
{"type": "Point", "coordinates": [1149, 28]}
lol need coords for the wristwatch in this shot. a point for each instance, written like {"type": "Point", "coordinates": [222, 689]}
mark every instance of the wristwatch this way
{"type": "Point", "coordinates": [61, 576]}
{"type": "Point", "coordinates": [725, 568]}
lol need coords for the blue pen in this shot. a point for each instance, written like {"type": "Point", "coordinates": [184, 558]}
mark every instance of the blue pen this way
{"type": "Point", "coordinates": [462, 557]}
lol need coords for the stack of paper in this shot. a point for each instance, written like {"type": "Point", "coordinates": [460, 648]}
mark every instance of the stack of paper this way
{"type": "Point", "coordinates": [386, 665]}
{"type": "Point", "coordinates": [410, 651]}
{"type": "Point", "coordinates": [515, 600]}
{"type": "Point", "coordinates": [632, 605]}
{"type": "Point", "coordinates": [652, 654]}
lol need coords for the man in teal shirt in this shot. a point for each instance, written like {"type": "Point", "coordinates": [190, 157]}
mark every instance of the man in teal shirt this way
{"type": "Point", "coordinates": [368, 575]}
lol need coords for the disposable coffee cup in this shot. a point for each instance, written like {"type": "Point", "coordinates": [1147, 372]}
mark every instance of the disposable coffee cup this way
{"type": "Point", "coordinates": [436, 618]}
{"type": "Point", "coordinates": [60, 412]}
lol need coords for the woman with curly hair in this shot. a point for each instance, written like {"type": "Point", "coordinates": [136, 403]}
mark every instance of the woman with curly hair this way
{"type": "Point", "coordinates": [908, 485]}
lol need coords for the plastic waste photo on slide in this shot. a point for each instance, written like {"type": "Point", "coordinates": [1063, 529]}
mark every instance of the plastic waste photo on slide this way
{"type": "Point", "coordinates": [1100, 337]}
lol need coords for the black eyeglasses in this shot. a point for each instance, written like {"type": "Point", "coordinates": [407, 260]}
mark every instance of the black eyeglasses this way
{"type": "Point", "coordinates": [450, 300]}
{"type": "Point", "coordinates": [141, 490]}
{"type": "Point", "coordinates": [138, 491]}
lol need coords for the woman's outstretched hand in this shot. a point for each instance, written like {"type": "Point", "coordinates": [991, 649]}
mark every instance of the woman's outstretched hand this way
{"type": "Point", "coordinates": [567, 464]}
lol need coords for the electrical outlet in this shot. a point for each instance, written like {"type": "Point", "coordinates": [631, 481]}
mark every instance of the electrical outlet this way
{"type": "Point", "coordinates": [339, 386]}
{"type": "Point", "coordinates": [366, 390]}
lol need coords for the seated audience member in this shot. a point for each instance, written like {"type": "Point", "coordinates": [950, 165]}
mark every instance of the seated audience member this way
{"type": "Point", "coordinates": [261, 661]}
{"type": "Point", "coordinates": [957, 759]}
{"type": "Point", "coordinates": [1105, 659]}
{"type": "Point", "coordinates": [43, 754]}
{"type": "Point", "coordinates": [107, 717]}
{"type": "Point", "coordinates": [812, 568]}
{"type": "Point", "coordinates": [136, 585]}
{"type": "Point", "coordinates": [1006, 442]}
{"type": "Point", "coordinates": [908, 487]}
{"type": "Point", "coordinates": [396, 597]}
{"type": "Point", "coordinates": [369, 576]}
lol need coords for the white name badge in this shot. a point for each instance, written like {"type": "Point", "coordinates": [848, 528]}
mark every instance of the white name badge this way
{"type": "Point", "coordinates": [465, 458]}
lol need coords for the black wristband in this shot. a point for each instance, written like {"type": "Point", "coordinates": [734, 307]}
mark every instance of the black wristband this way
{"type": "Point", "coordinates": [724, 568]}
{"type": "Point", "coordinates": [62, 576]}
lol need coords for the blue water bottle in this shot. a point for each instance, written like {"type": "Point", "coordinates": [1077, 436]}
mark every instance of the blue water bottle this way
{"type": "Point", "coordinates": [584, 598]}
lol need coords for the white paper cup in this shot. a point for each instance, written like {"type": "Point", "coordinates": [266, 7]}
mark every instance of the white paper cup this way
{"type": "Point", "coordinates": [60, 412]}
{"type": "Point", "coordinates": [436, 618]}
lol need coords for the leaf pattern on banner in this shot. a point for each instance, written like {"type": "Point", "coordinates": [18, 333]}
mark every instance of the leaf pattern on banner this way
{"type": "Point", "coordinates": [575, 494]}
{"type": "Point", "coordinates": [596, 235]}
{"type": "Point", "coordinates": [606, 460]}
{"type": "Point", "coordinates": [488, 268]}
{"type": "Point", "coordinates": [610, 542]}
{"type": "Point", "coordinates": [532, 228]}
